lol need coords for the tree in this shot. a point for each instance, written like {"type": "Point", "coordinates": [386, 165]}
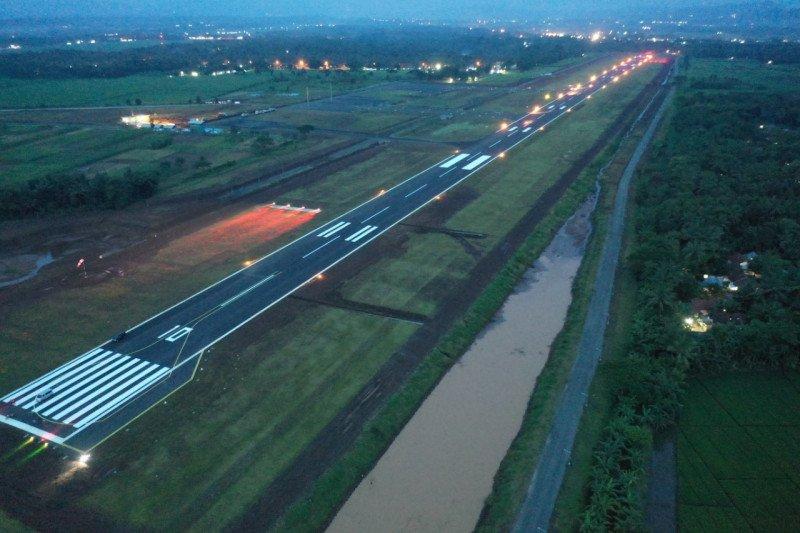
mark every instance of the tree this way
{"type": "Point", "coordinates": [305, 129]}
{"type": "Point", "coordinates": [262, 144]}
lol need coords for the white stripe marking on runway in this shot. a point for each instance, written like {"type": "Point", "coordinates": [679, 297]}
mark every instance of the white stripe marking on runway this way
{"type": "Point", "coordinates": [477, 162]}
{"type": "Point", "coordinates": [448, 172]}
{"type": "Point", "coordinates": [416, 190]}
{"type": "Point", "coordinates": [72, 399]}
{"type": "Point", "coordinates": [449, 163]}
{"type": "Point", "coordinates": [335, 229]}
{"type": "Point", "coordinates": [379, 212]}
{"type": "Point", "coordinates": [326, 243]}
{"type": "Point", "coordinates": [248, 289]}
{"type": "Point", "coordinates": [511, 129]}
{"type": "Point", "coordinates": [364, 234]}
{"type": "Point", "coordinates": [117, 359]}
{"type": "Point", "coordinates": [80, 400]}
{"type": "Point", "coordinates": [495, 143]}
{"type": "Point", "coordinates": [359, 232]}
{"type": "Point", "coordinates": [140, 374]}
{"type": "Point", "coordinates": [168, 331]}
{"type": "Point", "coordinates": [526, 130]}
{"type": "Point", "coordinates": [72, 371]}
{"type": "Point", "coordinates": [51, 374]}
{"type": "Point", "coordinates": [135, 390]}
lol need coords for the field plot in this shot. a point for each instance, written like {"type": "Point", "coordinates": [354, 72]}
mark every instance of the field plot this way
{"type": "Point", "coordinates": [204, 455]}
{"type": "Point", "coordinates": [738, 449]}
{"type": "Point", "coordinates": [488, 205]}
{"type": "Point", "coordinates": [741, 76]}
{"type": "Point", "coordinates": [362, 121]}
{"type": "Point", "coordinates": [275, 88]}
{"type": "Point", "coordinates": [290, 375]}
{"type": "Point", "coordinates": [182, 163]}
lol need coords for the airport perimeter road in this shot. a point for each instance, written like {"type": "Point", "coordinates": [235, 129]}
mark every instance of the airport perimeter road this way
{"type": "Point", "coordinates": [542, 493]}
{"type": "Point", "coordinates": [82, 402]}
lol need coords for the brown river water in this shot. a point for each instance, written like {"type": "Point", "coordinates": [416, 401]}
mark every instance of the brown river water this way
{"type": "Point", "coordinates": [439, 470]}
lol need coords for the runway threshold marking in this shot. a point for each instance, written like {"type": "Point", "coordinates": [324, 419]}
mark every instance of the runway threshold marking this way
{"type": "Point", "coordinates": [83, 390]}
{"type": "Point", "coordinates": [115, 403]}
{"type": "Point", "coordinates": [315, 250]}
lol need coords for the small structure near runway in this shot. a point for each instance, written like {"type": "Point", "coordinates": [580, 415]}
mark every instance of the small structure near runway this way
{"type": "Point", "coordinates": [290, 207]}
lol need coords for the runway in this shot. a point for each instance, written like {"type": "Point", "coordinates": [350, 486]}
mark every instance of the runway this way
{"type": "Point", "coordinates": [83, 402]}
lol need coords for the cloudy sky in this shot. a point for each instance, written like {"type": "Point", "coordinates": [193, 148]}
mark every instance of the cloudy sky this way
{"type": "Point", "coordinates": [441, 9]}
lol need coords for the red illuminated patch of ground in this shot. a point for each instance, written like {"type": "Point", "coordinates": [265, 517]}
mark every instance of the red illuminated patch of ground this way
{"type": "Point", "coordinates": [235, 234]}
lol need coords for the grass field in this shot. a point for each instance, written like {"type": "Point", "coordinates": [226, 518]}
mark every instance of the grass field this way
{"type": "Point", "coordinates": [202, 458]}
{"type": "Point", "coordinates": [738, 451]}
{"type": "Point", "coordinates": [741, 76]}
{"type": "Point", "coordinates": [31, 152]}
{"type": "Point", "coordinates": [268, 87]}
{"type": "Point", "coordinates": [361, 121]}
{"type": "Point", "coordinates": [502, 193]}
{"type": "Point", "coordinates": [281, 386]}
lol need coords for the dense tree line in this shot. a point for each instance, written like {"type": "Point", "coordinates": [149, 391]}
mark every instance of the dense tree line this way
{"type": "Point", "coordinates": [723, 181]}
{"type": "Point", "coordinates": [356, 47]}
{"type": "Point", "coordinates": [75, 191]}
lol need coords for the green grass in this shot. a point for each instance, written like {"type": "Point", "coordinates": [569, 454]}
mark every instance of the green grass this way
{"type": "Point", "coordinates": [737, 453]}
{"type": "Point", "coordinates": [159, 89]}
{"type": "Point", "coordinates": [517, 76]}
{"type": "Point", "coordinates": [244, 418]}
{"type": "Point", "coordinates": [416, 280]}
{"type": "Point", "coordinates": [360, 121]}
{"type": "Point", "coordinates": [742, 76]}
{"type": "Point", "coordinates": [9, 525]}
{"type": "Point", "coordinates": [330, 490]}
{"type": "Point", "coordinates": [504, 192]}
{"type": "Point", "coordinates": [218, 443]}
{"type": "Point", "coordinates": [69, 149]}
{"type": "Point", "coordinates": [31, 152]}
{"type": "Point", "coordinates": [526, 98]}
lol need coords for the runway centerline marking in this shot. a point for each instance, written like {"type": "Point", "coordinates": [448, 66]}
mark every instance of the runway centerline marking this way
{"type": "Point", "coordinates": [312, 252]}
{"type": "Point", "coordinates": [379, 212]}
{"type": "Point", "coordinates": [416, 190]}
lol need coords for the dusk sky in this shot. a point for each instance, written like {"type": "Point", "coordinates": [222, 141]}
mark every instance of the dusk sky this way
{"type": "Point", "coordinates": [443, 9]}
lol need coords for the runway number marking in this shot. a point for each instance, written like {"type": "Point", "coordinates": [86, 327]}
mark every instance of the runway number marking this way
{"type": "Point", "coordinates": [172, 335]}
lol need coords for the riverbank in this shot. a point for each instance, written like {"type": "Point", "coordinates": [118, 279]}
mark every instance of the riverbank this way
{"type": "Point", "coordinates": [439, 470]}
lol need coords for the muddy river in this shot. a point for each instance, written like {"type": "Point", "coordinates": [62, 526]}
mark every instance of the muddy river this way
{"type": "Point", "coordinates": [437, 473]}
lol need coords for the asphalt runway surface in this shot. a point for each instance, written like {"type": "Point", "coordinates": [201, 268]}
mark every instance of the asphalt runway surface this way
{"type": "Point", "coordinates": [83, 402]}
